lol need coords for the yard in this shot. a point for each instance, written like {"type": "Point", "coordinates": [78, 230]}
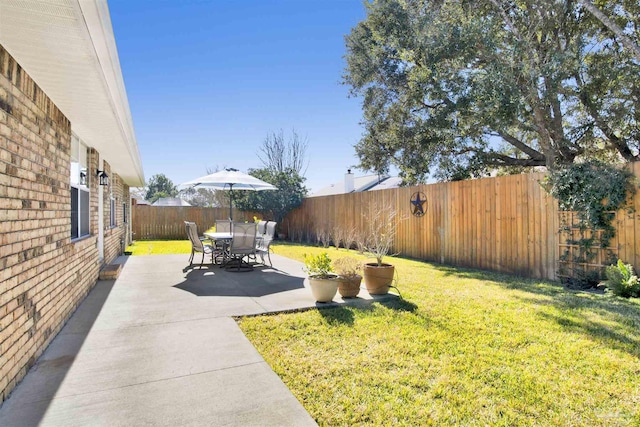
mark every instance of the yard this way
{"type": "Point", "coordinates": [463, 347]}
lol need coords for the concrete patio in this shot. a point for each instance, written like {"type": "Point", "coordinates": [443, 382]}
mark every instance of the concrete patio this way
{"type": "Point", "coordinates": [159, 346]}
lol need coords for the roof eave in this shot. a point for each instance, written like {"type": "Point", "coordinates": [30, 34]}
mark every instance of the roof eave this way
{"type": "Point", "coordinates": [68, 48]}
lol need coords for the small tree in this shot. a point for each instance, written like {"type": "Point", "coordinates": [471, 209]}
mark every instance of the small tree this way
{"type": "Point", "coordinates": [282, 155]}
{"type": "Point", "coordinates": [274, 204]}
{"type": "Point", "coordinates": [160, 186]}
{"type": "Point", "coordinates": [380, 231]}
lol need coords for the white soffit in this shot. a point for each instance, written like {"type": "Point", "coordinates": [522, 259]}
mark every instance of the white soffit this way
{"type": "Point", "coordinates": [68, 48]}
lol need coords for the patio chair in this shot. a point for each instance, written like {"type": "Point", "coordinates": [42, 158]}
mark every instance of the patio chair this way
{"type": "Point", "coordinates": [263, 245]}
{"type": "Point", "coordinates": [198, 245]}
{"type": "Point", "coordinates": [243, 244]}
{"type": "Point", "coordinates": [262, 228]}
{"type": "Point", "coordinates": [223, 226]}
{"type": "Point", "coordinates": [203, 239]}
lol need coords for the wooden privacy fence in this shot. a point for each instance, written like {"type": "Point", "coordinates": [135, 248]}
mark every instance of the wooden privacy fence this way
{"type": "Point", "coordinates": [167, 222]}
{"type": "Point", "coordinates": [507, 224]}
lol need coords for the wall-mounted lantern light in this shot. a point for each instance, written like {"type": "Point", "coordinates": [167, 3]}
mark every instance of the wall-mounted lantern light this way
{"type": "Point", "coordinates": [103, 178]}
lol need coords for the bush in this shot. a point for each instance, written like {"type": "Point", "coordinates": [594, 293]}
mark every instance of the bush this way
{"type": "Point", "coordinates": [381, 231]}
{"type": "Point", "coordinates": [318, 265]}
{"type": "Point", "coordinates": [622, 281]}
{"type": "Point", "coordinates": [347, 266]}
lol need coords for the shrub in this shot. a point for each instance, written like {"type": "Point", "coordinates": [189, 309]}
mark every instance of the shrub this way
{"type": "Point", "coordinates": [318, 265]}
{"type": "Point", "coordinates": [323, 236]}
{"type": "Point", "coordinates": [622, 281]}
{"type": "Point", "coordinates": [380, 231]}
{"type": "Point", "coordinates": [347, 266]}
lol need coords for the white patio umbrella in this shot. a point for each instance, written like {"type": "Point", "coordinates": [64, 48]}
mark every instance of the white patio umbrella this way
{"type": "Point", "coordinates": [229, 179]}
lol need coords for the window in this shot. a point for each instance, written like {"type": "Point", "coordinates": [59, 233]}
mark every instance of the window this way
{"type": "Point", "coordinates": [124, 213]}
{"type": "Point", "coordinates": [79, 189]}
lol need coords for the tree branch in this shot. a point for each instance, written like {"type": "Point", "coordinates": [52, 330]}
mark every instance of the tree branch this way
{"type": "Point", "coordinates": [497, 159]}
{"type": "Point", "coordinates": [626, 41]}
{"type": "Point", "coordinates": [619, 144]}
{"type": "Point", "coordinates": [433, 106]}
{"type": "Point", "coordinates": [533, 154]}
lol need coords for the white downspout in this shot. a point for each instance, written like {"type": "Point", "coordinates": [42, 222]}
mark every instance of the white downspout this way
{"type": "Point", "coordinates": [100, 216]}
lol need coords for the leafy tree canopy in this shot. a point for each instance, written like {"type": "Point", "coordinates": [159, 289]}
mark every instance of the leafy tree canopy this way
{"type": "Point", "coordinates": [160, 186]}
{"type": "Point", "coordinates": [461, 87]}
{"type": "Point", "coordinates": [277, 203]}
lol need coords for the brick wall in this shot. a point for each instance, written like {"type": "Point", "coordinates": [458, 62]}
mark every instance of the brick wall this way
{"type": "Point", "coordinates": [117, 236]}
{"type": "Point", "coordinates": [43, 275]}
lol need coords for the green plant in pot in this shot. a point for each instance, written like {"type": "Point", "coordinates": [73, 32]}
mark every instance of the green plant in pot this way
{"type": "Point", "coordinates": [349, 278]}
{"type": "Point", "coordinates": [378, 242]}
{"type": "Point", "coordinates": [322, 281]}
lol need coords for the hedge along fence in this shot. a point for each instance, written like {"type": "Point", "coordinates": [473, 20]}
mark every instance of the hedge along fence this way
{"type": "Point", "coordinates": [507, 224]}
{"type": "Point", "coordinates": [167, 222]}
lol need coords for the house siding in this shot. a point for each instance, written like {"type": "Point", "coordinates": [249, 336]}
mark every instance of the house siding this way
{"type": "Point", "coordinates": [43, 274]}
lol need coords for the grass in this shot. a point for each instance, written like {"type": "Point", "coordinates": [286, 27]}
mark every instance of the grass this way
{"type": "Point", "coordinates": [159, 247]}
{"type": "Point", "coordinates": [464, 347]}
{"type": "Point", "coordinates": [163, 247]}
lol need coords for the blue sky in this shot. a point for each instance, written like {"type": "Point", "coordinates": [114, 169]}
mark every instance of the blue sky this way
{"type": "Point", "coordinates": [208, 80]}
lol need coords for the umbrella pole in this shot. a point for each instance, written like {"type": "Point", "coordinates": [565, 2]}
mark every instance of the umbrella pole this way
{"type": "Point", "coordinates": [231, 202]}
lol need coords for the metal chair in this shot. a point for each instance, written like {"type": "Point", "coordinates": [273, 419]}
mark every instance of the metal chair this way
{"type": "Point", "coordinates": [243, 244]}
{"type": "Point", "coordinates": [202, 238]}
{"type": "Point", "coordinates": [262, 228]}
{"type": "Point", "coordinates": [263, 245]}
{"type": "Point", "coordinates": [223, 226]}
{"type": "Point", "coordinates": [197, 245]}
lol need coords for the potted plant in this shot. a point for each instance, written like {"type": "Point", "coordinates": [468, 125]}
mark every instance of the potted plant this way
{"type": "Point", "coordinates": [322, 281]}
{"type": "Point", "coordinates": [349, 279]}
{"type": "Point", "coordinates": [378, 242]}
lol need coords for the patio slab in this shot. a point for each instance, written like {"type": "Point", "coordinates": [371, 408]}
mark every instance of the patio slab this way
{"type": "Point", "coordinates": [158, 346]}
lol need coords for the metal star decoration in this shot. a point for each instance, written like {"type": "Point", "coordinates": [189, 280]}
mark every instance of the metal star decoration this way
{"type": "Point", "coordinates": [418, 201]}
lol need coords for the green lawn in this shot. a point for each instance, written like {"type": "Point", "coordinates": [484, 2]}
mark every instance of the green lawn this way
{"type": "Point", "coordinates": [158, 247]}
{"type": "Point", "coordinates": [464, 347]}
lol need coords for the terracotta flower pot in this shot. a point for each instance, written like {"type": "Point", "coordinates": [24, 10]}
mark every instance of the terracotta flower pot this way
{"type": "Point", "coordinates": [323, 290]}
{"type": "Point", "coordinates": [378, 279]}
{"type": "Point", "coordinates": [349, 286]}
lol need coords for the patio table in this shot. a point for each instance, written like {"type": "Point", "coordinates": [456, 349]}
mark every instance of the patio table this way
{"type": "Point", "coordinates": [222, 236]}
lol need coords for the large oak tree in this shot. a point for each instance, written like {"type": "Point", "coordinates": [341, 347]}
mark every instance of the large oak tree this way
{"type": "Point", "coordinates": [463, 87]}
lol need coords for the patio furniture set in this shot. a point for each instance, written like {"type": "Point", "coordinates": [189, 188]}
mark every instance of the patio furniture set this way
{"type": "Point", "coordinates": [234, 245]}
